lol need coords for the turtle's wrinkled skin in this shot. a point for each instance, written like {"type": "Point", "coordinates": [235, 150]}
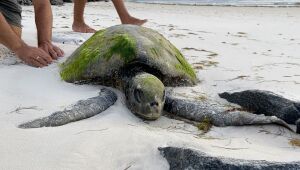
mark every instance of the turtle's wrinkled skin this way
{"type": "Point", "coordinates": [140, 62]}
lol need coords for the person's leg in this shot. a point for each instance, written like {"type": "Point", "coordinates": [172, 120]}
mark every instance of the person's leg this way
{"type": "Point", "coordinates": [124, 15]}
{"type": "Point", "coordinates": [78, 22]}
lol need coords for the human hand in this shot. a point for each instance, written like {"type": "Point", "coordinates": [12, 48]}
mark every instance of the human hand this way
{"type": "Point", "coordinates": [33, 56]}
{"type": "Point", "coordinates": [51, 49]}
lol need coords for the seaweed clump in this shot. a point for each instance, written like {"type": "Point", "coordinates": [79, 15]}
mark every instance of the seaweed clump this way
{"type": "Point", "coordinates": [295, 142]}
{"type": "Point", "coordinates": [205, 125]}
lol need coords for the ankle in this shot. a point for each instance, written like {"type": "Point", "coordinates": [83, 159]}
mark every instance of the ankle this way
{"type": "Point", "coordinates": [126, 19]}
{"type": "Point", "coordinates": [78, 23]}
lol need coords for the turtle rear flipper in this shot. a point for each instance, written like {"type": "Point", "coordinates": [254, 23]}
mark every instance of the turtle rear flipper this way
{"type": "Point", "coordinates": [217, 114]}
{"type": "Point", "coordinates": [81, 110]}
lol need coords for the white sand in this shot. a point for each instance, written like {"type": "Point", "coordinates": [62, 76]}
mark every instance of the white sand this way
{"type": "Point", "coordinates": [264, 55]}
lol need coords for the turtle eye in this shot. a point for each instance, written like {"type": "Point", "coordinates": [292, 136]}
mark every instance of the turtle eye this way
{"type": "Point", "coordinates": [138, 95]}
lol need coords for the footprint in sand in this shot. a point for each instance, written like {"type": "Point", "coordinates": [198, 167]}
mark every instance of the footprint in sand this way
{"type": "Point", "coordinates": [208, 53]}
{"type": "Point", "coordinates": [238, 34]}
{"type": "Point", "coordinates": [191, 33]}
{"type": "Point", "coordinates": [205, 64]}
{"type": "Point", "coordinates": [206, 32]}
{"type": "Point", "coordinates": [177, 35]}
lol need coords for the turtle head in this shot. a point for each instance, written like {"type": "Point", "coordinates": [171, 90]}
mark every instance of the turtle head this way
{"type": "Point", "coordinates": [145, 96]}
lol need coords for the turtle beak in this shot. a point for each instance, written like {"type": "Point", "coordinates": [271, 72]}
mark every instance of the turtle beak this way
{"type": "Point", "coordinates": [154, 111]}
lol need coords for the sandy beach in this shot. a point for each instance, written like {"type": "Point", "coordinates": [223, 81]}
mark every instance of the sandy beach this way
{"type": "Point", "coordinates": [232, 49]}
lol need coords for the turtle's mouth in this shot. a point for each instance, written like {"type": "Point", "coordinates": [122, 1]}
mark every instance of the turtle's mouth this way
{"type": "Point", "coordinates": [149, 116]}
{"type": "Point", "coordinates": [147, 111]}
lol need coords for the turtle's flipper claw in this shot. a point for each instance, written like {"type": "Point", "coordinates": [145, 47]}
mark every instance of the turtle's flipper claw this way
{"type": "Point", "coordinates": [282, 123]}
{"type": "Point", "coordinates": [81, 110]}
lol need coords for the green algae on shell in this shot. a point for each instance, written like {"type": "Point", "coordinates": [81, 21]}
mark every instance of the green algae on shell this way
{"type": "Point", "coordinates": [122, 45]}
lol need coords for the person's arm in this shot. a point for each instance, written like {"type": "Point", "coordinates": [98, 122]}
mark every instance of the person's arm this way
{"type": "Point", "coordinates": [30, 55]}
{"type": "Point", "coordinates": [43, 20]}
{"type": "Point", "coordinates": [8, 37]}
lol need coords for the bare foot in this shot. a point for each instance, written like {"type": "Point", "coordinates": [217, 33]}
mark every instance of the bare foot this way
{"type": "Point", "coordinates": [134, 21]}
{"type": "Point", "coordinates": [82, 28]}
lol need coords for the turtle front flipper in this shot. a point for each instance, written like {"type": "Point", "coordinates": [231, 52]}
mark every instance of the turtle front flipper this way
{"type": "Point", "coordinates": [217, 114]}
{"type": "Point", "coordinates": [265, 102]}
{"type": "Point", "coordinates": [81, 110]}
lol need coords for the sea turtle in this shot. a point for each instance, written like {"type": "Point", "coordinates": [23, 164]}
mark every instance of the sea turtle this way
{"type": "Point", "coordinates": [139, 62]}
